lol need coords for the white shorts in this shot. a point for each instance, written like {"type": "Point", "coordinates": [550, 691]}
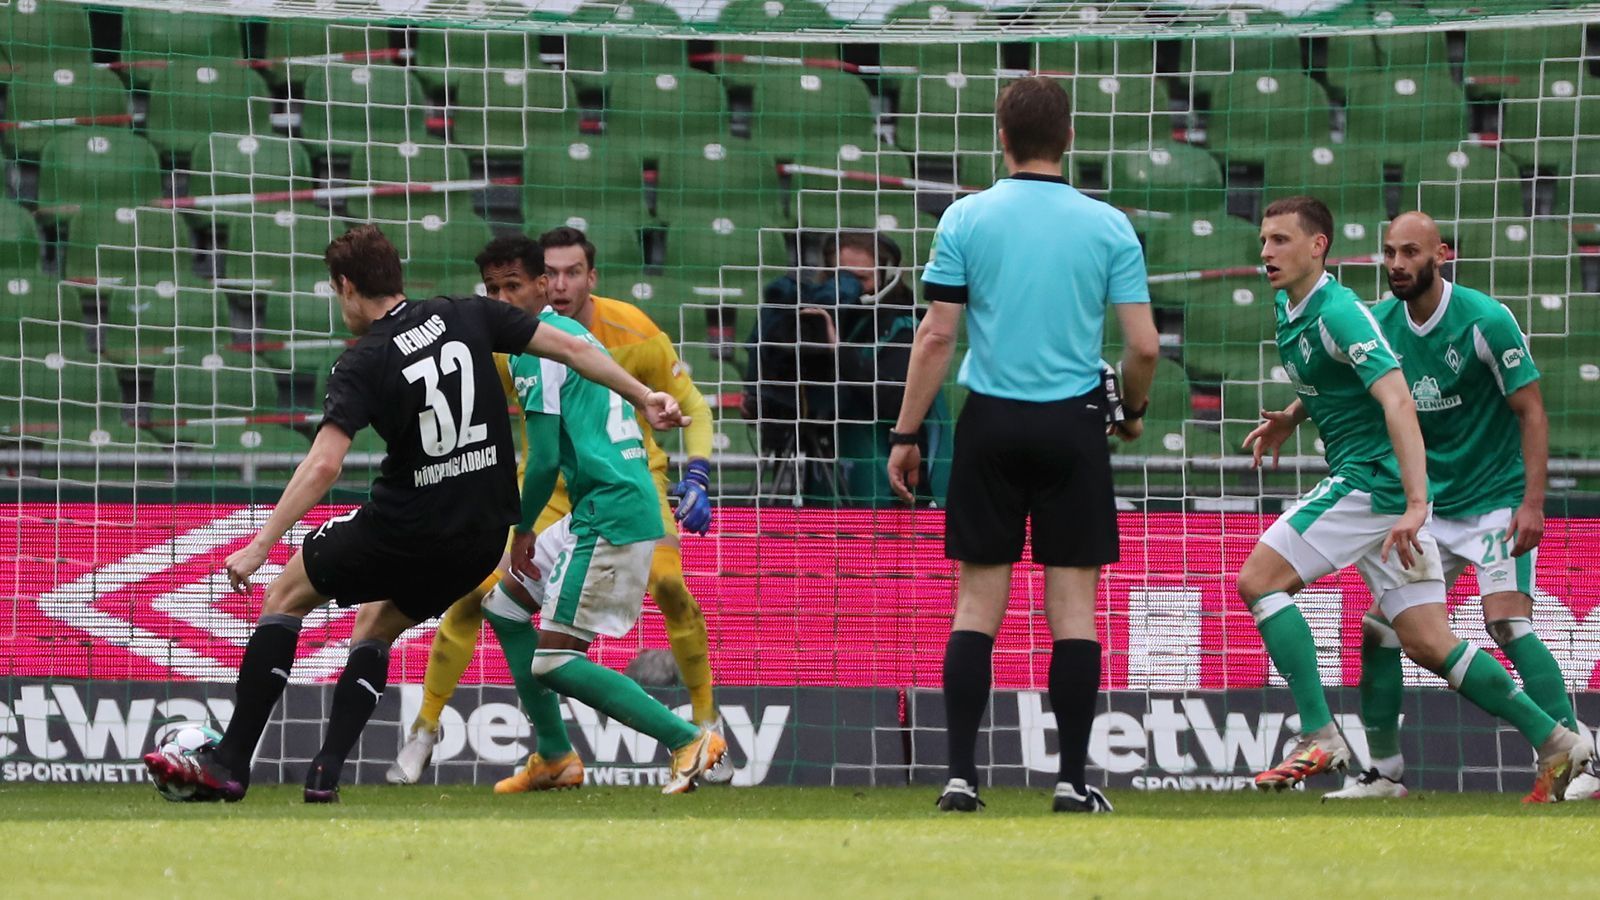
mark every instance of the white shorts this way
{"type": "Point", "coordinates": [1333, 526]}
{"type": "Point", "coordinates": [591, 586]}
{"type": "Point", "coordinates": [1477, 541]}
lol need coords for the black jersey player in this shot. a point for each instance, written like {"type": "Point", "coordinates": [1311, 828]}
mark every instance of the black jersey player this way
{"type": "Point", "coordinates": [422, 375]}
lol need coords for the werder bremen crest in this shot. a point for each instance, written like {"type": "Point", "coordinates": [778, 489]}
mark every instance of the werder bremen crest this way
{"type": "Point", "coordinates": [1452, 358]}
{"type": "Point", "coordinates": [1426, 394]}
{"type": "Point", "coordinates": [1305, 348]}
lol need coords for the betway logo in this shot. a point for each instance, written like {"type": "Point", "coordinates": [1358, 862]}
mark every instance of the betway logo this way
{"type": "Point", "coordinates": [1176, 736]}
{"type": "Point", "coordinates": [496, 733]}
{"type": "Point", "coordinates": [114, 730]}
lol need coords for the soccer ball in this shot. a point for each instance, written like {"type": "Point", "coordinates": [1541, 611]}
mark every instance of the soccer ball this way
{"type": "Point", "coordinates": [177, 741]}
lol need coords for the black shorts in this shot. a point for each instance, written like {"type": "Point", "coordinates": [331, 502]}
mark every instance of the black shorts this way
{"type": "Point", "coordinates": [354, 560]}
{"type": "Point", "coordinates": [1015, 459]}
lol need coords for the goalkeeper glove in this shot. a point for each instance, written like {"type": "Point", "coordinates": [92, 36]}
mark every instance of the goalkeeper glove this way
{"type": "Point", "coordinates": [694, 499]}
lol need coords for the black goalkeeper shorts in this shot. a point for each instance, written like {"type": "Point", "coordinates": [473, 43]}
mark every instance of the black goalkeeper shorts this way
{"type": "Point", "coordinates": [353, 560]}
{"type": "Point", "coordinates": [1015, 460]}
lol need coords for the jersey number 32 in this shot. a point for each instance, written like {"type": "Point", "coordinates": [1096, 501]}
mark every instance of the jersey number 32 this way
{"type": "Point", "coordinates": [441, 436]}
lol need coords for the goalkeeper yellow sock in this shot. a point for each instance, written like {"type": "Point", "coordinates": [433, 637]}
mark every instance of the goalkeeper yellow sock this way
{"type": "Point", "coordinates": [452, 650]}
{"type": "Point", "coordinates": [686, 629]}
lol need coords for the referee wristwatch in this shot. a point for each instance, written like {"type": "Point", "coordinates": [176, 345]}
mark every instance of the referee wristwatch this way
{"type": "Point", "coordinates": [1132, 415]}
{"type": "Point", "coordinates": [896, 438]}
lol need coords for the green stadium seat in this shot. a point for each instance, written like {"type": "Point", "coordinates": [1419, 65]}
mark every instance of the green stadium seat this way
{"type": "Point", "coordinates": [1114, 111]}
{"type": "Point", "coordinates": [351, 106]}
{"type": "Point", "coordinates": [1220, 53]}
{"type": "Point", "coordinates": [665, 110]}
{"type": "Point", "coordinates": [19, 242]}
{"type": "Point", "coordinates": [1349, 180]}
{"type": "Point", "coordinates": [1171, 401]}
{"type": "Point", "coordinates": [597, 187]}
{"type": "Point", "coordinates": [1207, 268]}
{"type": "Point", "coordinates": [1405, 106]}
{"type": "Point", "coordinates": [1507, 61]}
{"type": "Point", "coordinates": [1512, 258]}
{"type": "Point", "coordinates": [444, 55]}
{"type": "Point", "coordinates": [1569, 379]}
{"type": "Point", "coordinates": [1253, 110]}
{"type": "Point", "coordinates": [387, 166]}
{"type": "Point", "coordinates": [304, 39]}
{"type": "Point", "coordinates": [950, 112]}
{"type": "Point", "coordinates": [222, 164]}
{"type": "Point", "coordinates": [1169, 177]}
{"type": "Point", "coordinates": [439, 255]}
{"type": "Point", "coordinates": [938, 59]}
{"type": "Point", "coordinates": [1348, 57]}
{"type": "Point", "coordinates": [169, 37]}
{"type": "Point", "coordinates": [505, 112]}
{"type": "Point", "coordinates": [1366, 56]}
{"type": "Point", "coordinates": [134, 269]}
{"type": "Point", "coordinates": [192, 98]}
{"type": "Point", "coordinates": [1096, 57]}
{"type": "Point", "coordinates": [274, 261]}
{"type": "Point", "coordinates": [1462, 181]}
{"type": "Point", "coordinates": [799, 110]}
{"type": "Point", "coordinates": [39, 96]}
{"type": "Point", "coordinates": [778, 15]}
{"type": "Point", "coordinates": [1578, 191]}
{"type": "Point", "coordinates": [60, 399]}
{"type": "Point", "coordinates": [827, 202]}
{"type": "Point", "coordinates": [715, 202]}
{"type": "Point", "coordinates": [590, 57]}
{"type": "Point", "coordinates": [1559, 106]}
{"type": "Point", "coordinates": [97, 169]}
{"type": "Point", "coordinates": [41, 36]}
{"type": "Point", "coordinates": [37, 316]}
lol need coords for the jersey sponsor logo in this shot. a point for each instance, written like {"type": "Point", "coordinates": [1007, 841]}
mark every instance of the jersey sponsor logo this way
{"type": "Point", "coordinates": [470, 461]}
{"type": "Point", "coordinates": [1452, 358]}
{"type": "Point", "coordinates": [416, 338]}
{"type": "Point", "coordinates": [1300, 387]}
{"type": "Point", "coordinates": [1511, 358]}
{"type": "Point", "coordinates": [1428, 397]}
{"type": "Point", "coordinates": [1359, 350]}
{"type": "Point", "coordinates": [523, 386]}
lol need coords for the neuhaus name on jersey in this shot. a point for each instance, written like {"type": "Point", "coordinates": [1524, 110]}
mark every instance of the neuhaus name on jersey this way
{"type": "Point", "coordinates": [416, 338]}
{"type": "Point", "coordinates": [470, 461]}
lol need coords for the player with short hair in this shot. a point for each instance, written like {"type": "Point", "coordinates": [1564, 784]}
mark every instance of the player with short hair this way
{"type": "Point", "coordinates": [422, 375]}
{"type": "Point", "coordinates": [1371, 510]}
{"type": "Point", "coordinates": [591, 567]}
{"type": "Point", "coordinates": [1476, 389]}
{"type": "Point", "coordinates": [567, 261]}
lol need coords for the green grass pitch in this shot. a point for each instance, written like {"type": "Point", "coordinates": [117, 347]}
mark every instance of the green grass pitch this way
{"type": "Point", "coordinates": [436, 842]}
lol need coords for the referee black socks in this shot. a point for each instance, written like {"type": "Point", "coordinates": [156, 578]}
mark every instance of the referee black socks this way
{"type": "Point", "coordinates": [1074, 690]}
{"type": "Point", "coordinates": [966, 695]}
{"type": "Point", "coordinates": [263, 674]}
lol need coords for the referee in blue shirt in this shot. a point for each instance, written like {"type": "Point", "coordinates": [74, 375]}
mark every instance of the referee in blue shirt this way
{"type": "Point", "coordinates": [1036, 265]}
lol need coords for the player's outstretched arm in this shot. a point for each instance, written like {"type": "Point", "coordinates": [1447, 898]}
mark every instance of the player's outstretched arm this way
{"type": "Point", "coordinates": [931, 350]}
{"type": "Point", "coordinates": [592, 362]}
{"type": "Point", "coordinates": [1400, 414]}
{"type": "Point", "coordinates": [310, 483]}
{"type": "Point", "coordinates": [1527, 523]}
{"type": "Point", "coordinates": [538, 483]}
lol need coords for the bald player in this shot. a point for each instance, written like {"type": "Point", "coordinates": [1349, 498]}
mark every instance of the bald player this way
{"type": "Point", "coordinates": [1476, 390]}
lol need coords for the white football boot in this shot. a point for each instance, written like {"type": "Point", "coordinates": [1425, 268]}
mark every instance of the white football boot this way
{"type": "Point", "coordinates": [414, 756]}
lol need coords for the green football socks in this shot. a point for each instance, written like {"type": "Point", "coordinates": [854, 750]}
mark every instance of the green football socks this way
{"type": "Point", "coordinates": [1541, 674]}
{"type": "Point", "coordinates": [519, 640]}
{"type": "Point", "coordinates": [1382, 687]}
{"type": "Point", "coordinates": [1294, 653]}
{"type": "Point", "coordinates": [1481, 679]}
{"type": "Point", "coordinates": [618, 696]}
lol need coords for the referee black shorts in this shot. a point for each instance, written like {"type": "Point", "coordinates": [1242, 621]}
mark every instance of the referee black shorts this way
{"type": "Point", "coordinates": [353, 559]}
{"type": "Point", "coordinates": [1015, 459]}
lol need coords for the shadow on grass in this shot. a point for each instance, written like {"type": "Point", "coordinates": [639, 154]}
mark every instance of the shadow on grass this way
{"type": "Point", "coordinates": [62, 803]}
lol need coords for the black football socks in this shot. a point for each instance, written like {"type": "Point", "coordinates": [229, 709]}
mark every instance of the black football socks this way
{"type": "Point", "coordinates": [356, 695]}
{"type": "Point", "coordinates": [1074, 690]}
{"type": "Point", "coordinates": [263, 674]}
{"type": "Point", "coordinates": [966, 696]}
